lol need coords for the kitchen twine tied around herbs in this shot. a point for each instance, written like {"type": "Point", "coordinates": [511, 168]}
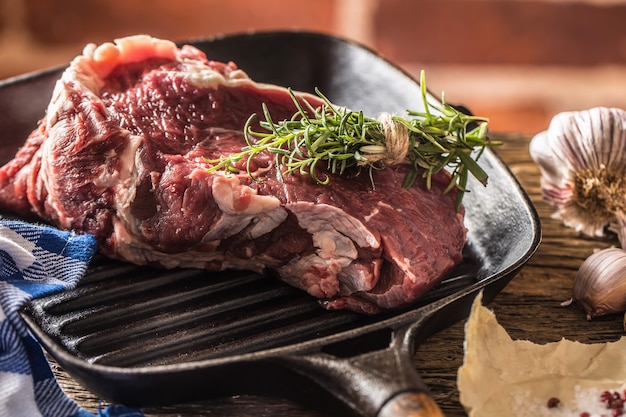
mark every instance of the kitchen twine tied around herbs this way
{"type": "Point", "coordinates": [397, 142]}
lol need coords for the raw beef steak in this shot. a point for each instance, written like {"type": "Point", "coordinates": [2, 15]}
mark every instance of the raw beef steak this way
{"type": "Point", "coordinates": [121, 154]}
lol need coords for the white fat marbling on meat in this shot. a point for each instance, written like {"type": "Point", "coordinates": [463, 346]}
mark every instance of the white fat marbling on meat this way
{"type": "Point", "coordinates": [234, 198]}
{"type": "Point", "coordinates": [332, 244]}
{"type": "Point", "coordinates": [127, 246]}
{"type": "Point", "coordinates": [124, 179]}
{"type": "Point", "coordinates": [243, 208]}
{"type": "Point", "coordinates": [252, 225]}
{"type": "Point", "coordinates": [202, 76]}
{"type": "Point", "coordinates": [335, 235]}
{"type": "Point", "coordinates": [317, 217]}
{"type": "Point", "coordinates": [197, 73]}
{"type": "Point", "coordinates": [127, 178]}
{"type": "Point", "coordinates": [315, 275]}
{"type": "Point", "coordinates": [261, 225]}
{"type": "Point", "coordinates": [372, 214]}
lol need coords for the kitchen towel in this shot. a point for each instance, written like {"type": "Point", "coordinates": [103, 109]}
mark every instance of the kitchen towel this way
{"type": "Point", "coordinates": [37, 260]}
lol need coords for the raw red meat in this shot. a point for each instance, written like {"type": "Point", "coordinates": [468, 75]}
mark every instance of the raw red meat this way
{"type": "Point", "coordinates": [121, 154]}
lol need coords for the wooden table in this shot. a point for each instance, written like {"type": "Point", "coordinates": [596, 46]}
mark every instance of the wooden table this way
{"type": "Point", "coordinates": [529, 308]}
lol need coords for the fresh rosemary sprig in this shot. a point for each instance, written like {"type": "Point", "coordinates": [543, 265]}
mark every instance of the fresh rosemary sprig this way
{"type": "Point", "coordinates": [436, 138]}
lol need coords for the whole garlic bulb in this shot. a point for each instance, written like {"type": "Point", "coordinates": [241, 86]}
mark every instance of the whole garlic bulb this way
{"type": "Point", "coordinates": [582, 159]}
{"type": "Point", "coordinates": [600, 283]}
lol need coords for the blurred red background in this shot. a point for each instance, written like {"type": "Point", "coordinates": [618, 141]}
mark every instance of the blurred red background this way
{"type": "Point", "coordinates": [518, 62]}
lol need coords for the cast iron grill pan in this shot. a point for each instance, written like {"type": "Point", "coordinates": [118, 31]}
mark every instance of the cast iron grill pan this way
{"type": "Point", "coordinates": [143, 336]}
{"type": "Point", "coordinates": [128, 316]}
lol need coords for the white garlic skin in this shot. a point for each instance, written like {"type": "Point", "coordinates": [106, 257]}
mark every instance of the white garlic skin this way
{"type": "Point", "coordinates": [574, 142]}
{"type": "Point", "coordinates": [600, 283]}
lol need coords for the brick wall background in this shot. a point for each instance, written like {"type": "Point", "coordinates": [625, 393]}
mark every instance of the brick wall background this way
{"type": "Point", "coordinates": [517, 62]}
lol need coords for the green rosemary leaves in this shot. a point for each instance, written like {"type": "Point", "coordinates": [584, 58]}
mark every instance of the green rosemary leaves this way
{"type": "Point", "coordinates": [339, 139]}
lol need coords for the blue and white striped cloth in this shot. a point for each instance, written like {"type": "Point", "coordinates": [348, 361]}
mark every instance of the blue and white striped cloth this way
{"type": "Point", "coordinates": [37, 260]}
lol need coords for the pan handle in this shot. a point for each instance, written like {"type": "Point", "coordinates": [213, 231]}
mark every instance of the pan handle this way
{"type": "Point", "coordinates": [411, 404]}
{"type": "Point", "coordinates": [380, 383]}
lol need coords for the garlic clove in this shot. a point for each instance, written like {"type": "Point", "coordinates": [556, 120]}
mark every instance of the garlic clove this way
{"type": "Point", "coordinates": [582, 160]}
{"type": "Point", "coordinates": [600, 283]}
